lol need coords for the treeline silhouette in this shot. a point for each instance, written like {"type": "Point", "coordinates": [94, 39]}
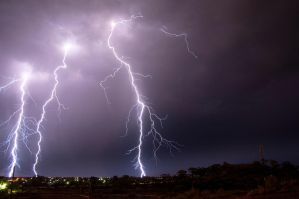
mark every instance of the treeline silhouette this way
{"type": "Point", "coordinates": [218, 176]}
{"type": "Point", "coordinates": [257, 177]}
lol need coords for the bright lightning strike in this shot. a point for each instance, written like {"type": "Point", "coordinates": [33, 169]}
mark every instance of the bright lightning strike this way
{"type": "Point", "coordinates": [18, 127]}
{"type": "Point", "coordinates": [185, 36]}
{"type": "Point", "coordinates": [22, 129]}
{"type": "Point", "coordinates": [143, 110]}
{"type": "Point", "coordinates": [53, 96]}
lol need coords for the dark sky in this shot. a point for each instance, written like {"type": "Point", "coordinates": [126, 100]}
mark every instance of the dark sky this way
{"type": "Point", "coordinates": [242, 90]}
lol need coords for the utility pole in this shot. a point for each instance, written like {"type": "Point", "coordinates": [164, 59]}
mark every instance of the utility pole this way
{"type": "Point", "coordinates": [262, 153]}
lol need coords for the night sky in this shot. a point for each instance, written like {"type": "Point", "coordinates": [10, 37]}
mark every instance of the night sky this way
{"type": "Point", "coordinates": [242, 90]}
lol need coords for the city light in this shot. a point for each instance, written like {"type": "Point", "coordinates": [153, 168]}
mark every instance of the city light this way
{"type": "Point", "coordinates": [3, 186]}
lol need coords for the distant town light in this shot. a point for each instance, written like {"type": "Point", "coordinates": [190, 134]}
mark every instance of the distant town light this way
{"type": "Point", "coordinates": [3, 186]}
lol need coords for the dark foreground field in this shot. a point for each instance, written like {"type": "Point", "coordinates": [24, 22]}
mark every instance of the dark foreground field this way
{"type": "Point", "coordinates": [191, 194]}
{"type": "Point", "coordinates": [259, 180]}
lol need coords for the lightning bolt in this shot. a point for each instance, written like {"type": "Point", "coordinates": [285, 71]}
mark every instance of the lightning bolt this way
{"type": "Point", "coordinates": [53, 96]}
{"type": "Point", "coordinates": [18, 127]}
{"type": "Point", "coordinates": [183, 35]}
{"type": "Point", "coordinates": [144, 111]}
{"type": "Point", "coordinates": [12, 82]}
{"type": "Point", "coordinates": [22, 129]}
